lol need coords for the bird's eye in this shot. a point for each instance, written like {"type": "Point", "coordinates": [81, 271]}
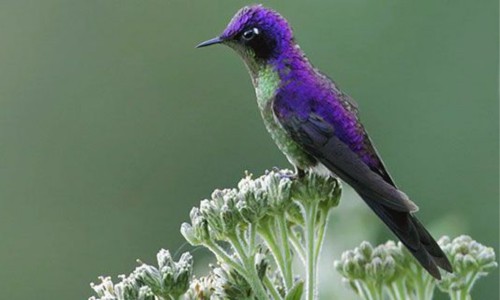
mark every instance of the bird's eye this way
{"type": "Point", "coordinates": [250, 34]}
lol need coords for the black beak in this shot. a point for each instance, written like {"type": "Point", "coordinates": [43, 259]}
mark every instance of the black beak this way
{"type": "Point", "coordinates": [216, 40]}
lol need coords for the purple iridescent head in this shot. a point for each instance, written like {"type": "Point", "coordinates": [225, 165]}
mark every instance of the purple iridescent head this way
{"type": "Point", "coordinates": [257, 33]}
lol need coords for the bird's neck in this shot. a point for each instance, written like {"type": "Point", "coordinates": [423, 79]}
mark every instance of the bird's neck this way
{"type": "Point", "coordinates": [266, 82]}
{"type": "Point", "coordinates": [289, 61]}
{"type": "Point", "coordinates": [269, 76]}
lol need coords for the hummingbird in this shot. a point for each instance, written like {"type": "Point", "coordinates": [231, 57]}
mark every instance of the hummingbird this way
{"type": "Point", "coordinates": [317, 126]}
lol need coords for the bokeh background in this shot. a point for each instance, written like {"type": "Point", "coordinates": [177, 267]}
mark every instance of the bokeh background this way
{"type": "Point", "coordinates": [112, 126]}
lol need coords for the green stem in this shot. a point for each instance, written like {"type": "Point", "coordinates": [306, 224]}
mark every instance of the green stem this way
{"type": "Point", "coordinates": [321, 233]}
{"type": "Point", "coordinates": [429, 288]}
{"type": "Point", "coordinates": [266, 233]}
{"type": "Point", "coordinates": [377, 290]}
{"type": "Point", "coordinates": [360, 289]}
{"type": "Point", "coordinates": [420, 290]}
{"type": "Point", "coordinates": [393, 294]}
{"type": "Point", "coordinates": [459, 295]}
{"type": "Point", "coordinates": [298, 247]}
{"type": "Point", "coordinates": [252, 234]}
{"type": "Point", "coordinates": [272, 289]}
{"type": "Point", "coordinates": [224, 257]}
{"type": "Point", "coordinates": [249, 265]}
{"type": "Point", "coordinates": [310, 221]}
{"type": "Point", "coordinates": [256, 282]}
{"type": "Point", "coordinates": [471, 282]}
{"type": "Point", "coordinates": [367, 291]}
{"type": "Point", "coordinates": [244, 241]}
{"type": "Point", "coordinates": [240, 250]}
{"type": "Point", "coordinates": [399, 290]}
{"type": "Point", "coordinates": [453, 295]}
{"type": "Point", "coordinates": [424, 285]}
{"type": "Point", "coordinates": [287, 254]}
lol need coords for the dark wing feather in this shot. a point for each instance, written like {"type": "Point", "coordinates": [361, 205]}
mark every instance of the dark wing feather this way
{"type": "Point", "coordinates": [350, 105]}
{"type": "Point", "coordinates": [381, 168]}
{"type": "Point", "coordinates": [317, 137]}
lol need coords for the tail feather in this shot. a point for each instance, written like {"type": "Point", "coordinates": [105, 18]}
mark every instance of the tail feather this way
{"type": "Point", "coordinates": [431, 246]}
{"type": "Point", "coordinates": [414, 236]}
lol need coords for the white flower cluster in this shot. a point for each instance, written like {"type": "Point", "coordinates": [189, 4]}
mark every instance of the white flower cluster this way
{"type": "Point", "coordinates": [390, 271]}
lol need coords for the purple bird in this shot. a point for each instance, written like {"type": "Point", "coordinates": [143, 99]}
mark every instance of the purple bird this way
{"type": "Point", "coordinates": [317, 126]}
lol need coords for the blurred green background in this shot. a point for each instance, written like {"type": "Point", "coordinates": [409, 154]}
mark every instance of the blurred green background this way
{"type": "Point", "coordinates": [112, 126]}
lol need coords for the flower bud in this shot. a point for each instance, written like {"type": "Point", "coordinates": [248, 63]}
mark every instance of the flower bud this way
{"type": "Point", "coordinates": [366, 249]}
{"type": "Point", "coordinates": [468, 257]}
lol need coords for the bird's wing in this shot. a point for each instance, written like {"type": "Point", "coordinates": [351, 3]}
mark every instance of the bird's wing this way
{"type": "Point", "coordinates": [317, 137]}
{"type": "Point", "coordinates": [350, 105]}
{"type": "Point", "coordinates": [380, 166]}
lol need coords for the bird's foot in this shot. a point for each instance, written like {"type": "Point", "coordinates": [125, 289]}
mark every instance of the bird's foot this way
{"type": "Point", "coordinates": [297, 175]}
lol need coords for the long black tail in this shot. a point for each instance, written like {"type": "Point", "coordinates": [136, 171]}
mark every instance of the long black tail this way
{"type": "Point", "coordinates": [414, 236]}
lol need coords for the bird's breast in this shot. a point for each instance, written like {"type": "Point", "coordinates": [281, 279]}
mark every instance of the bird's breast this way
{"type": "Point", "coordinates": [267, 84]}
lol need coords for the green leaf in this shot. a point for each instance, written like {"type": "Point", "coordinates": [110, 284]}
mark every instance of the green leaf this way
{"type": "Point", "coordinates": [295, 293]}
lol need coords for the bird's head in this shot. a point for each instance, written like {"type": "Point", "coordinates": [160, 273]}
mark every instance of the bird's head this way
{"type": "Point", "coordinates": [258, 34]}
